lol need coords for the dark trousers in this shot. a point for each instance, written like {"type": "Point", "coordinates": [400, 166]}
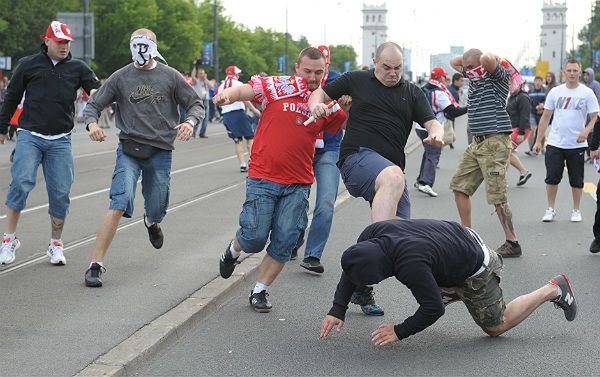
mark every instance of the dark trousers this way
{"type": "Point", "coordinates": [596, 227]}
{"type": "Point", "coordinates": [429, 161]}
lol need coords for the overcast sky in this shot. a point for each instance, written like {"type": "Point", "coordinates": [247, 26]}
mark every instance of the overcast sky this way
{"type": "Point", "coordinates": [510, 28]}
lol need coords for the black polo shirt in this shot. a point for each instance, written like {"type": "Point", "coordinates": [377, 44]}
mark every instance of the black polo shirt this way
{"type": "Point", "coordinates": [381, 117]}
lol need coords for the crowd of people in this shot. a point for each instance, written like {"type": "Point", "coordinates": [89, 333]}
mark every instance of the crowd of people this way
{"type": "Point", "coordinates": [314, 127]}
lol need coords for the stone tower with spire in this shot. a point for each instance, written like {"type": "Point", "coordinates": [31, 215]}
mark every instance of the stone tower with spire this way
{"type": "Point", "coordinates": [374, 31]}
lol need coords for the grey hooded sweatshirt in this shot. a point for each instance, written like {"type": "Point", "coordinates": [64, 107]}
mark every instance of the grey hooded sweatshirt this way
{"type": "Point", "coordinates": [593, 83]}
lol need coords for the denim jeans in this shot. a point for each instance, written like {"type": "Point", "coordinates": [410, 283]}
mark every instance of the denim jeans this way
{"type": "Point", "coordinates": [156, 182]}
{"type": "Point", "coordinates": [327, 177]}
{"type": "Point", "coordinates": [429, 161]}
{"type": "Point", "coordinates": [273, 209]}
{"type": "Point", "coordinates": [56, 158]}
{"type": "Point", "coordinates": [204, 122]}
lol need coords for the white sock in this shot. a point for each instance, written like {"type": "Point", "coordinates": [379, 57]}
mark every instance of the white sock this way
{"type": "Point", "coordinates": [10, 236]}
{"type": "Point", "coordinates": [259, 287]}
{"type": "Point", "coordinates": [97, 262]}
{"type": "Point", "coordinates": [52, 241]}
{"type": "Point", "coordinates": [147, 221]}
{"type": "Point", "coordinates": [558, 292]}
{"type": "Point", "coordinates": [234, 252]}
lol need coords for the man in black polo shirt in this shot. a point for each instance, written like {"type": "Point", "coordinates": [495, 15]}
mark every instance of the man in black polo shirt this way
{"type": "Point", "coordinates": [372, 160]}
{"type": "Point", "coordinates": [456, 259]}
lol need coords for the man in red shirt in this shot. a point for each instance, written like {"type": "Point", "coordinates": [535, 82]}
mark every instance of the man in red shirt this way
{"type": "Point", "coordinates": [281, 171]}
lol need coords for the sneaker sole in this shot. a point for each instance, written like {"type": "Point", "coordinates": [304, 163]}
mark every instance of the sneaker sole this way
{"type": "Point", "coordinates": [56, 262]}
{"type": "Point", "coordinates": [93, 285]}
{"type": "Point", "coordinates": [261, 310]}
{"type": "Point", "coordinates": [317, 271]}
{"type": "Point", "coordinates": [573, 295]}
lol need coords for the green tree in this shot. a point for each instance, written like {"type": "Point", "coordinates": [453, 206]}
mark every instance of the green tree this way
{"type": "Point", "coordinates": [340, 54]}
{"type": "Point", "coordinates": [590, 30]}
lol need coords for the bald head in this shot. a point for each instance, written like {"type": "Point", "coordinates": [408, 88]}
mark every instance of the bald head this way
{"type": "Point", "coordinates": [146, 33]}
{"type": "Point", "coordinates": [471, 58]}
{"type": "Point", "coordinates": [388, 48]}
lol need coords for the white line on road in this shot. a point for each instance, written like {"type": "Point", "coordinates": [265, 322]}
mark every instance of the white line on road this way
{"type": "Point", "coordinates": [86, 240]}
{"type": "Point", "coordinates": [26, 210]}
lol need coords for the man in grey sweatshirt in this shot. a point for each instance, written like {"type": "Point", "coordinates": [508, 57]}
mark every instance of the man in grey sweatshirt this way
{"type": "Point", "coordinates": [147, 95]}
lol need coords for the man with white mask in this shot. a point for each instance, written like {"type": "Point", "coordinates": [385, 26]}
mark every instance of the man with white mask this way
{"type": "Point", "coordinates": [147, 95]}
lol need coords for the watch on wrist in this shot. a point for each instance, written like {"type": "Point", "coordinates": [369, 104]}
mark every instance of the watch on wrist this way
{"type": "Point", "coordinates": [190, 121]}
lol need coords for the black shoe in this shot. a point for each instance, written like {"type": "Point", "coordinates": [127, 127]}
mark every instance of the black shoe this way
{"type": "Point", "coordinates": [523, 178]}
{"type": "Point", "coordinates": [203, 137]}
{"type": "Point", "coordinates": [294, 254]}
{"type": "Point", "coordinates": [566, 301]}
{"type": "Point", "coordinates": [259, 301]}
{"type": "Point", "coordinates": [155, 234]}
{"type": "Point", "coordinates": [243, 169]}
{"type": "Point", "coordinates": [93, 275]}
{"type": "Point", "coordinates": [227, 263]}
{"type": "Point", "coordinates": [451, 146]}
{"type": "Point", "coordinates": [595, 247]}
{"type": "Point", "coordinates": [365, 297]}
{"type": "Point", "coordinates": [312, 264]}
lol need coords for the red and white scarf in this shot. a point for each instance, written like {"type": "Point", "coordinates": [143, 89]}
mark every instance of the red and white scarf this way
{"type": "Point", "coordinates": [515, 80]}
{"type": "Point", "coordinates": [443, 88]}
{"type": "Point", "coordinates": [273, 88]}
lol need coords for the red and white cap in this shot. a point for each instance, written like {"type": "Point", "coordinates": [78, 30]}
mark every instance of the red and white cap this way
{"type": "Point", "coordinates": [438, 72]}
{"type": "Point", "coordinates": [233, 70]}
{"type": "Point", "coordinates": [58, 31]}
{"type": "Point", "coordinates": [326, 53]}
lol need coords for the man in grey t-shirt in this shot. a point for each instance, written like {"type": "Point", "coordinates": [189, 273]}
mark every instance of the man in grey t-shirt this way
{"type": "Point", "coordinates": [147, 95]}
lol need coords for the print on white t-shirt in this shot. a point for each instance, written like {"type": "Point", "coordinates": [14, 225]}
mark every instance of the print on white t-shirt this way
{"type": "Point", "coordinates": [571, 107]}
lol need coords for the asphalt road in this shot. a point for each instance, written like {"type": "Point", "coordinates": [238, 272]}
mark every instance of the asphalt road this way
{"type": "Point", "coordinates": [239, 342]}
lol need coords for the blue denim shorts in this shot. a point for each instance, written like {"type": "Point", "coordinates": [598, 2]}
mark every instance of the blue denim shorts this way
{"type": "Point", "coordinates": [359, 172]}
{"type": "Point", "coordinates": [156, 178]}
{"type": "Point", "coordinates": [274, 209]}
{"type": "Point", "coordinates": [56, 158]}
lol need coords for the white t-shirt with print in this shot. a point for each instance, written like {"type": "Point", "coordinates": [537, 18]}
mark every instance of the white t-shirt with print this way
{"type": "Point", "coordinates": [571, 107]}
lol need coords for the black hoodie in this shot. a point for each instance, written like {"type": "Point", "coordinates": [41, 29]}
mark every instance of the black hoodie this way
{"type": "Point", "coordinates": [422, 254]}
{"type": "Point", "coordinates": [51, 93]}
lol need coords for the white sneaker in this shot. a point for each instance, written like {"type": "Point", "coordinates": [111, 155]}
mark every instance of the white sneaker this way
{"type": "Point", "coordinates": [576, 216]}
{"type": "Point", "coordinates": [426, 189]}
{"type": "Point", "coordinates": [549, 215]}
{"type": "Point", "coordinates": [55, 252]}
{"type": "Point", "coordinates": [9, 248]}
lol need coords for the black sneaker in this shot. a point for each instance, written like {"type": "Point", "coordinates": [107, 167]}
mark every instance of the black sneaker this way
{"type": "Point", "coordinates": [155, 234]}
{"type": "Point", "coordinates": [312, 264]}
{"type": "Point", "coordinates": [365, 297]}
{"type": "Point", "coordinates": [93, 275]}
{"type": "Point", "coordinates": [595, 247]}
{"type": "Point", "coordinates": [566, 301]}
{"type": "Point", "coordinates": [523, 178]}
{"type": "Point", "coordinates": [294, 254]}
{"type": "Point", "coordinates": [243, 169]}
{"type": "Point", "coordinates": [227, 263]}
{"type": "Point", "coordinates": [259, 301]}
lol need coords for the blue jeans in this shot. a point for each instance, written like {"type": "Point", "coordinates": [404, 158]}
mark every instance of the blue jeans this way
{"type": "Point", "coordinates": [429, 161]}
{"type": "Point", "coordinates": [56, 158]}
{"type": "Point", "coordinates": [156, 182]}
{"type": "Point", "coordinates": [327, 177]}
{"type": "Point", "coordinates": [275, 209]}
{"type": "Point", "coordinates": [204, 122]}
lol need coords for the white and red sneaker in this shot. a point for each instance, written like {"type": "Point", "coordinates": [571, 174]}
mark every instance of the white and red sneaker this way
{"type": "Point", "coordinates": [56, 253]}
{"type": "Point", "coordinates": [8, 250]}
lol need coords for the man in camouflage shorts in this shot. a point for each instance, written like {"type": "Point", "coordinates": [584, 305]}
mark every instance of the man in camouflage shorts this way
{"type": "Point", "coordinates": [440, 262]}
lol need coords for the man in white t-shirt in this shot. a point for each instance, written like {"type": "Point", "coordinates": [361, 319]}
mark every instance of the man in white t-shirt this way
{"type": "Point", "coordinates": [570, 103]}
{"type": "Point", "coordinates": [442, 103]}
{"type": "Point", "coordinates": [234, 117]}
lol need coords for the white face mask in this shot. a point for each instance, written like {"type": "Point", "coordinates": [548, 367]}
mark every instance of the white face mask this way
{"type": "Point", "coordinates": [143, 49]}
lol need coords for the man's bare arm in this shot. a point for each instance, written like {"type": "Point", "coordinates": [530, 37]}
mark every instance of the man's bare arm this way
{"type": "Point", "coordinates": [234, 94]}
{"type": "Point", "coordinates": [489, 62]}
{"type": "Point", "coordinates": [456, 63]}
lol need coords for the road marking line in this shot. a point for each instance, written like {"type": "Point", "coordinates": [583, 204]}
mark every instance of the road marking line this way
{"type": "Point", "coordinates": [89, 239]}
{"type": "Point", "coordinates": [139, 180]}
{"type": "Point", "coordinates": [590, 188]}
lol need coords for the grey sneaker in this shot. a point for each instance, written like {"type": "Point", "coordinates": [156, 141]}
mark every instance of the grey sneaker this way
{"type": "Point", "coordinates": [566, 301]}
{"type": "Point", "coordinates": [312, 264]}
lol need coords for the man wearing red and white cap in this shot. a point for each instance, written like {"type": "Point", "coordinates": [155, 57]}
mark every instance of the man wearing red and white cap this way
{"type": "Point", "coordinates": [51, 79]}
{"type": "Point", "coordinates": [234, 117]}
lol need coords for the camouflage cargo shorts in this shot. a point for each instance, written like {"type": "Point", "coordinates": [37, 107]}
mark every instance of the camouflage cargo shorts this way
{"type": "Point", "coordinates": [482, 294]}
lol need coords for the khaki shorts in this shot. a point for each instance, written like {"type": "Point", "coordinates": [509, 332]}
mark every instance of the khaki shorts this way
{"type": "Point", "coordinates": [482, 294]}
{"type": "Point", "coordinates": [485, 161]}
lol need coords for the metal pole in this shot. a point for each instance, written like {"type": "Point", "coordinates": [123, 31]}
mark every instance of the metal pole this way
{"type": "Point", "coordinates": [285, 66]}
{"type": "Point", "coordinates": [591, 36]}
{"type": "Point", "coordinates": [216, 42]}
{"type": "Point", "coordinates": [86, 32]}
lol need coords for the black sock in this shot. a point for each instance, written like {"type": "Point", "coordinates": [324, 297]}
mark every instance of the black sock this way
{"type": "Point", "coordinates": [513, 243]}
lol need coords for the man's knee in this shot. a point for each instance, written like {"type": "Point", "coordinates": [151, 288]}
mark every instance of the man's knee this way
{"type": "Point", "coordinates": [391, 177]}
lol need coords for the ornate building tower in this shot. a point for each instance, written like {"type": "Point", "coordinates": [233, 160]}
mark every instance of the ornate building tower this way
{"type": "Point", "coordinates": [374, 31]}
{"type": "Point", "coordinates": [553, 39]}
